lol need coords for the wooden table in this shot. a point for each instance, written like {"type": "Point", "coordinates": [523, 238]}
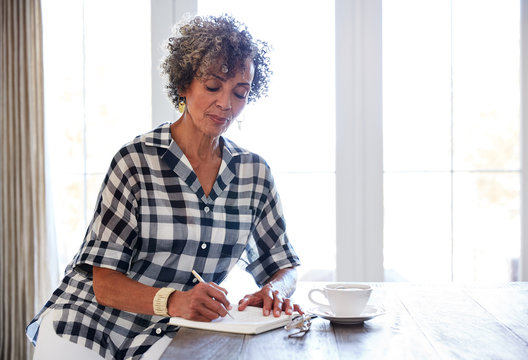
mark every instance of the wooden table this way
{"type": "Point", "coordinates": [421, 322]}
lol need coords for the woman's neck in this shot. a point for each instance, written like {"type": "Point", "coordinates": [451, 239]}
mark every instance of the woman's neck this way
{"type": "Point", "coordinates": [195, 144]}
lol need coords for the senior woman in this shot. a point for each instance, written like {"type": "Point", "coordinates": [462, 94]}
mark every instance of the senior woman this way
{"type": "Point", "coordinates": [176, 199]}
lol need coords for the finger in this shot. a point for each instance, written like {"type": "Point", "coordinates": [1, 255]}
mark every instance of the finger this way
{"type": "Point", "coordinates": [217, 307]}
{"type": "Point", "coordinates": [202, 314]}
{"type": "Point", "coordinates": [250, 300]}
{"type": "Point", "coordinates": [254, 299]}
{"type": "Point", "coordinates": [222, 310]}
{"type": "Point", "coordinates": [218, 296]}
{"type": "Point", "coordinates": [243, 303]}
{"type": "Point", "coordinates": [287, 307]}
{"type": "Point", "coordinates": [277, 304]}
{"type": "Point", "coordinates": [216, 286]}
{"type": "Point", "coordinates": [200, 310]}
{"type": "Point", "coordinates": [211, 298]}
{"type": "Point", "coordinates": [298, 308]}
{"type": "Point", "coordinates": [267, 302]}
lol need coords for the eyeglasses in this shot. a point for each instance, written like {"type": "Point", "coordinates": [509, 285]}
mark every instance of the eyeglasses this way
{"type": "Point", "coordinates": [302, 323]}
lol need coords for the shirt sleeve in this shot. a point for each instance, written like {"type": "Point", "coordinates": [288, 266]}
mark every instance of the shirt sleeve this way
{"type": "Point", "coordinates": [269, 249]}
{"type": "Point", "coordinates": [112, 234]}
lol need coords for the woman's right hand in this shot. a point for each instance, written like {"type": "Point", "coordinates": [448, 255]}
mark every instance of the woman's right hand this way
{"type": "Point", "coordinates": [204, 302]}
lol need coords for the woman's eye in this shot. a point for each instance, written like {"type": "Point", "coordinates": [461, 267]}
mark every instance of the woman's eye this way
{"type": "Point", "coordinates": [212, 89]}
{"type": "Point", "coordinates": [241, 95]}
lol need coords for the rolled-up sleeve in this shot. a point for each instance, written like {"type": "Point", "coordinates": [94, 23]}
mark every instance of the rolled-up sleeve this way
{"type": "Point", "coordinates": [269, 249]}
{"type": "Point", "coordinates": [112, 234]}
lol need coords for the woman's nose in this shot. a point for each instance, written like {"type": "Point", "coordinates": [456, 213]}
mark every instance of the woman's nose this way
{"type": "Point", "coordinates": [224, 101]}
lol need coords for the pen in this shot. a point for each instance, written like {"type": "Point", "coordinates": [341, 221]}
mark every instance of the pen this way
{"type": "Point", "coordinates": [199, 278]}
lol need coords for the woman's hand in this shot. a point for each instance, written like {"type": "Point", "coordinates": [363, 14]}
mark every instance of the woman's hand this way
{"type": "Point", "coordinates": [274, 296]}
{"type": "Point", "coordinates": [204, 302]}
{"type": "Point", "coordinates": [271, 301]}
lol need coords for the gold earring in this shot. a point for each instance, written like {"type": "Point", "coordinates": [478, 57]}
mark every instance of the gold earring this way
{"type": "Point", "coordinates": [181, 105]}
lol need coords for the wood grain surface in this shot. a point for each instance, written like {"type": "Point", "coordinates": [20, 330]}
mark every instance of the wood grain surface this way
{"type": "Point", "coordinates": [421, 322]}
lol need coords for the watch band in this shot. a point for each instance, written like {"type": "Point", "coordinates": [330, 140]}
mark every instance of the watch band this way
{"type": "Point", "coordinates": [160, 301]}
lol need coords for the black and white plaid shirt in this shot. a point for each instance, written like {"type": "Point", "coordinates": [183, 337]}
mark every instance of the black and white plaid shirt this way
{"type": "Point", "coordinates": [154, 223]}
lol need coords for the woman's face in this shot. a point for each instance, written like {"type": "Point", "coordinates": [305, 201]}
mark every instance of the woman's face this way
{"type": "Point", "coordinates": [214, 101]}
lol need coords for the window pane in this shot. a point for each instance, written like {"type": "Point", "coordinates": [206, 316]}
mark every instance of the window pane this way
{"type": "Point", "coordinates": [93, 184]}
{"type": "Point", "coordinates": [97, 97]}
{"type": "Point", "coordinates": [68, 215]}
{"type": "Point", "coordinates": [486, 226]}
{"type": "Point", "coordinates": [417, 227]}
{"type": "Point", "coordinates": [310, 220]}
{"type": "Point", "coordinates": [481, 119]}
{"type": "Point", "coordinates": [486, 84]}
{"type": "Point", "coordinates": [63, 85]}
{"type": "Point", "coordinates": [416, 85]}
{"type": "Point", "coordinates": [117, 77]}
{"type": "Point", "coordinates": [63, 106]}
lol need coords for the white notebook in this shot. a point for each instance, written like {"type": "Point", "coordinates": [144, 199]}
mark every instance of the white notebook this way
{"type": "Point", "coordinates": [249, 321]}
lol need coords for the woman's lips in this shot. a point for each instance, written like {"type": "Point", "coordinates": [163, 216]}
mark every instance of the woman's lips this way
{"type": "Point", "coordinates": [218, 119]}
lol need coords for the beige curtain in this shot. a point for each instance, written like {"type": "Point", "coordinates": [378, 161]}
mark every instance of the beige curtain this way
{"type": "Point", "coordinates": [24, 276]}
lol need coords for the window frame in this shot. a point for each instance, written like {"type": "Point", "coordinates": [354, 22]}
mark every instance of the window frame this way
{"type": "Point", "coordinates": [359, 141]}
{"type": "Point", "coordinates": [523, 261]}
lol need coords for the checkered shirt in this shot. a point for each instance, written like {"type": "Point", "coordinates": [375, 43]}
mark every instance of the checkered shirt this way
{"type": "Point", "coordinates": [154, 223]}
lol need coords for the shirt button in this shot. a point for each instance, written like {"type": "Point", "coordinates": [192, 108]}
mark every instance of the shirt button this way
{"type": "Point", "coordinates": [206, 209]}
{"type": "Point", "coordinates": [204, 245]}
{"type": "Point", "coordinates": [158, 331]}
{"type": "Point", "coordinates": [194, 280]}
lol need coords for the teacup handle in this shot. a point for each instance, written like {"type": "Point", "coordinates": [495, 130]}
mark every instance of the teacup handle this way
{"type": "Point", "coordinates": [316, 302]}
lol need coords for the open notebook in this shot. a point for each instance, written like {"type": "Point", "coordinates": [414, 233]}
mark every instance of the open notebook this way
{"type": "Point", "coordinates": [249, 321]}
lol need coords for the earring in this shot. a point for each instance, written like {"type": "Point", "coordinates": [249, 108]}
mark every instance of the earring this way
{"type": "Point", "coordinates": [181, 105]}
{"type": "Point", "coordinates": [240, 119]}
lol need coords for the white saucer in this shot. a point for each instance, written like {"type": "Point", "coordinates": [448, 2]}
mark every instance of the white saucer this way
{"type": "Point", "coordinates": [370, 312]}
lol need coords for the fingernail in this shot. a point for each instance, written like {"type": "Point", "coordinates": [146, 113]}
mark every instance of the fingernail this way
{"type": "Point", "coordinates": [266, 312]}
{"type": "Point", "coordinates": [277, 312]}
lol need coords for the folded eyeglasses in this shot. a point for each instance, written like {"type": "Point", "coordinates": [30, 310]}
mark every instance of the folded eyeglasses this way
{"type": "Point", "coordinates": [302, 323]}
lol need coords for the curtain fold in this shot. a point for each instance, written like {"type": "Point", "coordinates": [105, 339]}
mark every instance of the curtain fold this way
{"type": "Point", "coordinates": [25, 278]}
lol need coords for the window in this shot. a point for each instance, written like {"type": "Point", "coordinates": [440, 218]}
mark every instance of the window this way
{"type": "Point", "coordinates": [451, 170]}
{"type": "Point", "coordinates": [451, 93]}
{"type": "Point", "coordinates": [97, 97]}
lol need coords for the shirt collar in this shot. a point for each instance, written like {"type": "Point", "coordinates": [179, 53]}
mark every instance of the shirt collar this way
{"type": "Point", "coordinates": [233, 149]}
{"type": "Point", "coordinates": [178, 162]}
{"type": "Point", "coordinates": [161, 137]}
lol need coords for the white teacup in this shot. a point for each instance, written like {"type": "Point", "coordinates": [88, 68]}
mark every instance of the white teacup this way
{"type": "Point", "coordinates": [344, 299]}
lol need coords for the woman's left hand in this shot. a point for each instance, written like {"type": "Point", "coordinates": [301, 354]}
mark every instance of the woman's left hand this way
{"type": "Point", "coordinates": [270, 297]}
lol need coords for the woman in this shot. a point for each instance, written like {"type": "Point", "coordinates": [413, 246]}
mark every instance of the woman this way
{"type": "Point", "coordinates": [177, 199]}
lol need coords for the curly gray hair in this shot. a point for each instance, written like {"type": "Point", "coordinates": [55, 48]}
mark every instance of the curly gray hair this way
{"type": "Point", "coordinates": [204, 44]}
